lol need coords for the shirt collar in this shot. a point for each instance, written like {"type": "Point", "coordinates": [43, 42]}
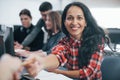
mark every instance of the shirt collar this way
{"type": "Point", "coordinates": [74, 42]}
{"type": "Point", "coordinates": [27, 29]}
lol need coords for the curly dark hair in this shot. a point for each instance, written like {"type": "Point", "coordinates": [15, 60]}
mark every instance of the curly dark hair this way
{"type": "Point", "coordinates": [92, 35]}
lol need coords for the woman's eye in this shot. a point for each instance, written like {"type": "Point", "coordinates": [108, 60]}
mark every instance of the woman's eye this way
{"type": "Point", "coordinates": [69, 18]}
{"type": "Point", "coordinates": [79, 18]}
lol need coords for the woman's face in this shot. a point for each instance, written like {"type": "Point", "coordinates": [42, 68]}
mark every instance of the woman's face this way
{"type": "Point", "coordinates": [48, 23]}
{"type": "Point", "coordinates": [25, 20]}
{"type": "Point", "coordinates": [75, 22]}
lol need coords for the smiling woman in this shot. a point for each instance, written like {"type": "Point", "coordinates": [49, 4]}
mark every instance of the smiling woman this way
{"type": "Point", "coordinates": [75, 22]}
{"type": "Point", "coordinates": [80, 51]}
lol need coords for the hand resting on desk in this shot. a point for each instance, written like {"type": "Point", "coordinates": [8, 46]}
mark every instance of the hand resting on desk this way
{"type": "Point", "coordinates": [25, 53]}
{"type": "Point", "coordinates": [33, 64]}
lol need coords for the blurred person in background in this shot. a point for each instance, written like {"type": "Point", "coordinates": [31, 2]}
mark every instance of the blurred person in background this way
{"type": "Point", "coordinates": [55, 34]}
{"type": "Point", "coordinates": [53, 27]}
{"type": "Point", "coordinates": [44, 9]}
{"type": "Point", "coordinates": [22, 32]}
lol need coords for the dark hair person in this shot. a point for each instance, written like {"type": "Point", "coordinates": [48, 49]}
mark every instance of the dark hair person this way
{"type": "Point", "coordinates": [25, 12]}
{"type": "Point", "coordinates": [80, 51]}
{"type": "Point", "coordinates": [24, 30]}
{"type": "Point", "coordinates": [44, 9]}
{"type": "Point", "coordinates": [91, 36]}
{"type": "Point", "coordinates": [45, 6]}
{"type": "Point", "coordinates": [25, 16]}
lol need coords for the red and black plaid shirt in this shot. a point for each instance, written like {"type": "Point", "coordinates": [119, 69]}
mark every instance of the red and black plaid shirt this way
{"type": "Point", "coordinates": [67, 53]}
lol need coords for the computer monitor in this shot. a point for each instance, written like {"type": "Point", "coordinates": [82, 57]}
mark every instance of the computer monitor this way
{"type": "Point", "coordinates": [0, 28]}
{"type": "Point", "coordinates": [2, 45]}
{"type": "Point", "coordinates": [9, 41]}
{"type": "Point", "coordinates": [114, 34]}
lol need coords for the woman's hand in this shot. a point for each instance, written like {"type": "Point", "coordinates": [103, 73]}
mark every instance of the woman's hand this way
{"type": "Point", "coordinates": [34, 64]}
{"type": "Point", "coordinates": [40, 53]}
{"type": "Point", "coordinates": [22, 52]}
{"type": "Point", "coordinates": [17, 45]}
{"type": "Point", "coordinates": [25, 53]}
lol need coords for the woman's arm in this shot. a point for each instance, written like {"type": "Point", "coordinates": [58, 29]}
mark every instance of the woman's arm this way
{"type": "Point", "coordinates": [36, 63]}
{"type": "Point", "coordinates": [85, 72]}
{"type": "Point", "coordinates": [51, 62]}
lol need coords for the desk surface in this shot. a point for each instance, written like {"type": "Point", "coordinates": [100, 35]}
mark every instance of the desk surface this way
{"type": "Point", "coordinates": [44, 75]}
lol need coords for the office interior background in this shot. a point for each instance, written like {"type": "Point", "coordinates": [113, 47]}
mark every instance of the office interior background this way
{"type": "Point", "coordinates": [106, 12]}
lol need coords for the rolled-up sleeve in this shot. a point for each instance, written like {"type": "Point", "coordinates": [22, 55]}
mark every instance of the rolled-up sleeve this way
{"type": "Point", "coordinates": [60, 51]}
{"type": "Point", "coordinates": [93, 68]}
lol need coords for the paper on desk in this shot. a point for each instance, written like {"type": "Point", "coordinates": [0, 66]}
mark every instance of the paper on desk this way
{"type": "Point", "coordinates": [44, 75]}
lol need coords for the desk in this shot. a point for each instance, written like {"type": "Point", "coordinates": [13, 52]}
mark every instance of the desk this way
{"type": "Point", "coordinates": [44, 75]}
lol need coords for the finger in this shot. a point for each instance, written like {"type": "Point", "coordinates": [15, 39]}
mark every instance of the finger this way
{"type": "Point", "coordinates": [15, 43]}
{"type": "Point", "coordinates": [32, 71]}
{"type": "Point", "coordinates": [28, 61]}
{"type": "Point", "coordinates": [40, 51]}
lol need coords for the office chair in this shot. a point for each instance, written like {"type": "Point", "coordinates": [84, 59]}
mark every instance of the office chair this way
{"type": "Point", "coordinates": [111, 68]}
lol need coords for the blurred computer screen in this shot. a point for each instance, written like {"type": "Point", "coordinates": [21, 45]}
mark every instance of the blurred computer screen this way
{"type": "Point", "coordinates": [9, 41]}
{"type": "Point", "coordinates": [114, 34]}
{"type": "Point", "coordinates": [2, 46]}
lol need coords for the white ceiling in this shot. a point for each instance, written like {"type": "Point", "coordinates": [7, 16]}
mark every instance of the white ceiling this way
{"type": "Point", "coordinates": [101, 3]}
{"type": "Point", "coordinates": [89, 3]}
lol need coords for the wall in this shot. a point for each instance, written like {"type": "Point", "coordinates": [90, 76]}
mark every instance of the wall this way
{"type": "Point", "coordinates": [106, 13]}
{"type": "Point", "coordinates": [9, 10]}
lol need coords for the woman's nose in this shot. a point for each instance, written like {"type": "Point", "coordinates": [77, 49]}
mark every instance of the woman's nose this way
{"type": "Point", "coordinates": [75, 21]}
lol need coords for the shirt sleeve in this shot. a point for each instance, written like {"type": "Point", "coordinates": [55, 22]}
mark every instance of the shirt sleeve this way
{"type": "Point", "coordinates": [93, 67]}
{"type": "Point", "coordinates": [60, 51]}
{"type": "Point", "coordinates": [37, 43]}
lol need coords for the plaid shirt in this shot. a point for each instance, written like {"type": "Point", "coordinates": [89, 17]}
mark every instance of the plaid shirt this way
{"type": "Point", "coordinates": [67, 53]}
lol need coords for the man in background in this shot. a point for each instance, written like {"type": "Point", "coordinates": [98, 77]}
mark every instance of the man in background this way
{"type": "Point", "coordinates": [44, 9]}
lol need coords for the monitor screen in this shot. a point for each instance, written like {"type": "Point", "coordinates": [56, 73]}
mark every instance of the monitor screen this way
{"type": "Point", "coordinates": [9, 41]}
{"type": "Point", "coordinates": [114, 35]}
{"type": "Point", "coordinates": [2, 46]}
{"type": "Point", "coordinates": [0, 27]}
